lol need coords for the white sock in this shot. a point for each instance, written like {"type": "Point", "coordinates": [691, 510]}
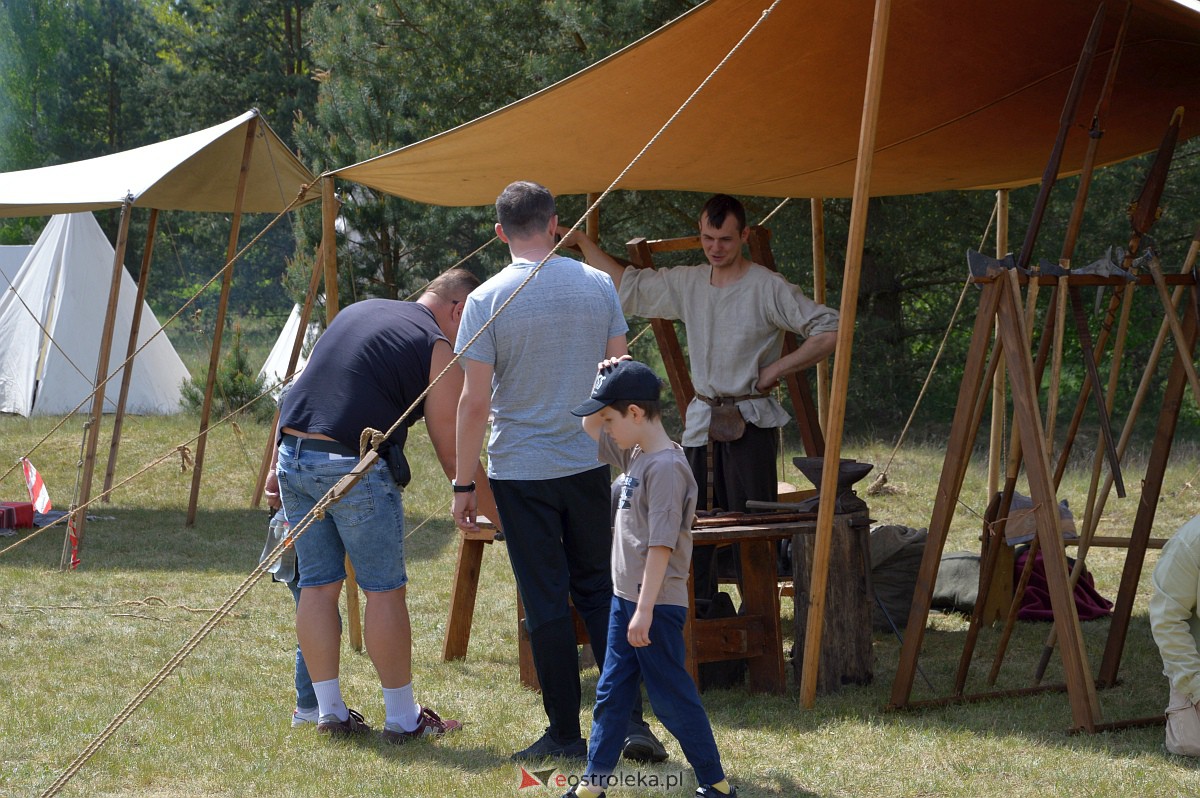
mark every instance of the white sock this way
{"type": "Point", "coordinates": [400, 710]}
{"type": "Point", "coordinates": [329, 699]}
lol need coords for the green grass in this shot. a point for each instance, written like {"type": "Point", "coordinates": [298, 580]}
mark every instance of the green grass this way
{"type": "Point", "coordinates": [76, 647]}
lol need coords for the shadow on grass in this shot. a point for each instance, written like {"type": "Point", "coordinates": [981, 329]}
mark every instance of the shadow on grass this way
{"type": "Point", "coordinates": [221, 541]}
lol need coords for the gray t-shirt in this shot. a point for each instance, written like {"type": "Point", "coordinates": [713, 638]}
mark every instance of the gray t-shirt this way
{"type": "Point", "coordinates": [544, 349]}
{"type": "Point", "coordinates": [656, 508]}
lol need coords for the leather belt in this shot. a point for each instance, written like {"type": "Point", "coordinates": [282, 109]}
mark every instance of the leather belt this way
{"type": "Point", "coordinates": [722, 400]}
{"type": "Point", "coordinates": [319, 445]}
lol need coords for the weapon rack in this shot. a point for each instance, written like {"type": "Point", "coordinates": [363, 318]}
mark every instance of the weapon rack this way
{"type": "Point", "coordinates": [1000, 310]}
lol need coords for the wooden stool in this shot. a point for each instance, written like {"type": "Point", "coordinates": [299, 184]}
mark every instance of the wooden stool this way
{"type": "Point", "coordinates": [462, 605]}
{"type": "Point", "coordinates": [755, 635]}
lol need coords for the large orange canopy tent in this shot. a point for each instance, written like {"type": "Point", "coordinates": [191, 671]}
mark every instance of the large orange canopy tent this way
{"type": "Point", "coordinates": [971, 98]}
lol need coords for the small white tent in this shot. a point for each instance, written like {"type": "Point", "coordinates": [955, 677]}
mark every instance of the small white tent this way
{"type": "Point", "coordinates": [51, 323]}
{"type": "Point", "coordinates": [274, 369]}
{"type": "Point", "coordinates": [11, 258]}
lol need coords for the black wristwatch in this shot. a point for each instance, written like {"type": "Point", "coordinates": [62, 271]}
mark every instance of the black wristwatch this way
{"type": "Point", "coordinates": [463, 488]}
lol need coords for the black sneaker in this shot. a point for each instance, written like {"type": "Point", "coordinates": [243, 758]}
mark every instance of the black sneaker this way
{"type": "Point", "coordinates": [641, 745]}
{"type": "Point", "coordinates": [354, 724]}
{"type": "Point", "coordinates": [573, 794]}
{"type": "Point", "coordinates": [546, 747]}
{"type": "Point", "coordinates": [707, 791]}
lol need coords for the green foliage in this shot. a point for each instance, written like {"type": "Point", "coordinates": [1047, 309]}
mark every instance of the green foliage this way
{"type": "Point", "coordinates": [237, 383]}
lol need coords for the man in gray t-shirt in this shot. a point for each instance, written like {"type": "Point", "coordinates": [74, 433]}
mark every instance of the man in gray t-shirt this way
{"type": "Point", "coordinates": [530, 338]}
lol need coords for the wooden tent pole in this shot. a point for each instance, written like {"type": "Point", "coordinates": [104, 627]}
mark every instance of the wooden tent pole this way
{"type": "Point", "coordinates": [93, 431]}
{"type": "Point", "coordinates": [226, 283]}
{"type": "Point", "coordinates": [329, 212]}
{"type": "Point", "coordinates": [818, 249]}
{"type": "Point", "coordinates": [999, 382]}
{"type": "Point", "coordinates": [835, 421]}
{"type": "Point", "coordinates": [1000, 579]}
{"type": "Point", "coordinates": [127, 374]}
{"type": "Point", "coordinates": [293, 359]}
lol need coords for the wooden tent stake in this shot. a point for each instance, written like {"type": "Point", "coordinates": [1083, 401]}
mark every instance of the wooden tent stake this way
{"type": "Point", "coordinates": [835, 422]}
{"type": "Point", "coordinates": [93, 431]}
{"type": "Point", "coordinates": [226, 283]}
{"type": "Point", "coordinates": [127, 375]}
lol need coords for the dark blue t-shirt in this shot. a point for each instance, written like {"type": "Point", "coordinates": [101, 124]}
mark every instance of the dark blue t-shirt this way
{"type": "Point", "coordinates": [365, 371]}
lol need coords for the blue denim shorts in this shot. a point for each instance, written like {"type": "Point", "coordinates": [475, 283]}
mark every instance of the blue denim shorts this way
{"type": "Point", "coordinates": [367, 524]}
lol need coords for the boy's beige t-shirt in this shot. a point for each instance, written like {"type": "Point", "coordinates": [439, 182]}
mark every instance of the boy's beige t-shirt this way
{"type": "Point", "coordinates": [655, 507]}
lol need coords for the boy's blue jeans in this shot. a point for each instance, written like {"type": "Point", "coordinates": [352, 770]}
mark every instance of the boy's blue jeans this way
{"type": "Point", "coordinates": [670, 687]}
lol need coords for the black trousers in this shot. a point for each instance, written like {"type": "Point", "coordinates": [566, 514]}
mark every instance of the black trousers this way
{"type": "Point", "coordinates": [560, 543]}
{"type": "Point", "coordinates": [742, 469]}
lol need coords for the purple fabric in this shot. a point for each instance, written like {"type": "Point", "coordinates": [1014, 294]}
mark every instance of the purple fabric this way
{"type": "Point", "coordinates": [1035, 603]}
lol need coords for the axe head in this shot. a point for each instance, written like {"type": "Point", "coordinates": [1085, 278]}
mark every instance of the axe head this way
{"type": "Point", "coordinates": [984, 265]}
{"type": "Point", "coordinates": [1107, 265]}
{"type": "Point", "coordinates": [1051, 269]}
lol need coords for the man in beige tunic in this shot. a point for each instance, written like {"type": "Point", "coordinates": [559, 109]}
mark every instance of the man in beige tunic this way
{"type": "Point", "coordinates": [736, 313]}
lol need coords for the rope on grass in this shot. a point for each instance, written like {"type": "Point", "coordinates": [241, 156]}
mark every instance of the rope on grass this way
{"type": "Point", "coordinates": [877, 487]}
{"type": "Point", "coordinates": [347, 482]}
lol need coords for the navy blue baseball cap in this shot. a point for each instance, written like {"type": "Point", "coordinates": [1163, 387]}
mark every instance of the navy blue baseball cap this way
{"type": "Point", "coordinates": [628, 380]}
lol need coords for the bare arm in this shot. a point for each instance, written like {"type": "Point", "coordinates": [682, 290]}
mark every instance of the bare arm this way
{"type": "Point", "coordinates": [595, 257]}
{"type": "Point", "coordinates": [471, 424]}
{"type": "Point", "coordinates": [638, 633]}
{"type": "Point", "coordinates": [812, 351]}
{"type": "Point", "coordinates": [441, 414]}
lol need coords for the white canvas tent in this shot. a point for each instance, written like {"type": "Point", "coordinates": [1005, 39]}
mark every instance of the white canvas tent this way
{"type": "Point", "coordinates": [274, 369]}
{"type": "Point", "coordinates": [59, 288]}
{"type": "Point", "coordinates": [11, 258]}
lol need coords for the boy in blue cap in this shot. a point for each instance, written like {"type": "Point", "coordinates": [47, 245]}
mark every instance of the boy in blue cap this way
{"type": "Point", "coordinates": [651, 556]}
